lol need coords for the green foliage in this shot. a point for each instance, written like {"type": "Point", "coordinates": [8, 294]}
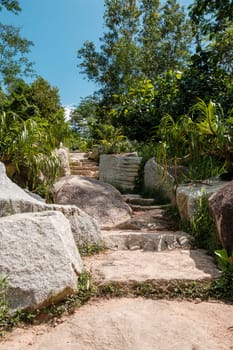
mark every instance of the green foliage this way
{"type": "Point", "coordinates": [32, 125]}
{"type": "Point", "coordinates": [111, 140]}
{"type": "Point", "coordinates": [113, 67]}
{"type": "Point", "coordinates": [225, 262]}
{"type": "Point", "coordinates": [203, 140]}
{"type": "Point", "coordinates": [27, 148]}
{"type": "Point", "coordinates": [91, 249]}
{"type": "Point", "coordinates": [13, 48]}
{"type": "Point", "coordinates": [203, 228]}
{"type": "Point", "coordinates": [7, 319]}
{"type": "Point", "coordinates": [10, 5]}
{"type": "Point", "coordinates": [223, 286]}
{"type": "Point", "coordinates": [133, 111]}
{"type": "Point", "coordinates": [165, 37]}
{"type": "Point", "coordinates": [83, 116]}
{"type": "Point", "coordinates": [142, 40]}
{"type": "Point", "coordinates": [144, 68]}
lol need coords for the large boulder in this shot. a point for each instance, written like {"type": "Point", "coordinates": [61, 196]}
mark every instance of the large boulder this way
{"type": "Point", "coordinates": [221, 204]}
{"type": "Point", "coordinates": [120, 170]}
{"type": "Point", "coordinates": [14, 200]}
{"type": "Point", "coordinates": [39, 257]}
{"type": "Point", "coordinates": [157, 179]}
{"type": "Point", "coordinates": [98, 199]}
{"type": "Point", "coordinates": [188, 196]}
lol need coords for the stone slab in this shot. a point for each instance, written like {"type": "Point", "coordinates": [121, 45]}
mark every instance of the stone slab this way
{"type": "Point", "coordinates": [139, 266]}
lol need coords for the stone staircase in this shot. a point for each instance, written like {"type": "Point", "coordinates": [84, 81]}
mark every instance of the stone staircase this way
{"type": "Point", "coordinates": [150, 247]}
{"type": "Point", "coordinates": [82, 166]}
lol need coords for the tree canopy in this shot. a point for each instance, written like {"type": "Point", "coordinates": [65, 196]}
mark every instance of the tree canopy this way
{"type": "Point", "coordinates": [149, 42]}
{"type": "Point", "coordinates": [142, 39]}
{"type": "Point", "coordinates": [13, 47]}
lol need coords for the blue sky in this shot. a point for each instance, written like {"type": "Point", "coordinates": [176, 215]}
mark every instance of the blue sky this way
{"type": "Point", "coordinates": [58, 29]}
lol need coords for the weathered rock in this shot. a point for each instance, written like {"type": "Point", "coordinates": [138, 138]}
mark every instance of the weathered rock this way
{"type": "Point", "coordinates": [156, 178]}
{"type": "Point", "coordinates": [100, 200]}
{"type": "Point", "coordinates": [85, 229]}
{"type": "Point", "coordinates": [14, 200]}
{"type": "Point", "coordinates": [39, 256]}
{"type": "Point", "coordinates": [188, 196]}
{"type": "Point", "coordinates": [63, 154]}
{"type": "Point", "coordinates": [221, 204]}
{"type": "Point", "coordinates": [120, 170]}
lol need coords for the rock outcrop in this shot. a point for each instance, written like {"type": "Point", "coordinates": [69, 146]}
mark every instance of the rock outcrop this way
{"type": "Point", "coordinates": [98, 199]}
{"type": "Point", "coordinates": [157, 179]}
{"type": "Point", "coordinates": [39, 257]}
{"type": "Point", "coordinates": [14, 200]}
{"type": "Point", "coordinates": [188, 196]}
{"type": "Point", "coordinates": [119, 170]}
{"type": "Point", "coordinates": [221, 204]}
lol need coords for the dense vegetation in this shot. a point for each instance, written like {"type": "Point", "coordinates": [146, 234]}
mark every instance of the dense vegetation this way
{"type": "Point", "coordinates": [32, 119]}
{"type": "Point", "coordinates": [164, 77]}
{"type": "Point", "coordinates": [164, 87]}
{"type": "Point", "coordinates": [164, 82]}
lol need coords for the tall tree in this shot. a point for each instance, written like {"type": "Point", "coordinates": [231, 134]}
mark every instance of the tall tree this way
{"type": "Point", "coordinates": [211, 73]}
{"type": "Point", "coordinates": [115, 65]}
{"type": "Point", "coordinates": [141, 39]}
{"type": "Point", "coordinates": [165, 37]}
{"type": "Point", "coordinates": [13, 48]}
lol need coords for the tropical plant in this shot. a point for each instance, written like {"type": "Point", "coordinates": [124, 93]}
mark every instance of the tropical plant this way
{"type": "Point", "coordinates": [203, 228]}
{"type": "Point", "coordinates": [202, 139]}
{"type": "Point", "coordinates": [111, 140]}
{"type": "Point", "coordinates": [222, 287]}
{"type": "Point", "coordinates": [27, 147]}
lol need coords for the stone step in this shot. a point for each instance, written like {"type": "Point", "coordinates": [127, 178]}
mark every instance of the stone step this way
{"type": "Point", "coordinates": [77, 156]}
{"type": "Point", "coordinates": [83, 161]}
{"type": "Point", "coordinates": [147, 241]}
{"type": "Point", "coordinates": [149, 207]}
{"type": "Point", "coordinates": [123, 266]}
{"type": "Point", "coordinates": [137, 199]}
{"type": "Point", "coordinates": [88, 173]}
{"type": "Point", "coordinates": [84, 167]}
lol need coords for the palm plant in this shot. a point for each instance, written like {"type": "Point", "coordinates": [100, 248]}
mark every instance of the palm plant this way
{"type": "Point", "coordinates": [27, 147]}
{"type": "Point", "coordinates": [215, 131]}
{"type": "Point", "coordinates": [202, 140]}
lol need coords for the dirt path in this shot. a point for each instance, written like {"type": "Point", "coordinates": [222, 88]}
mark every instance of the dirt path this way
{"type": "Point", "coordinates": [133, 324]}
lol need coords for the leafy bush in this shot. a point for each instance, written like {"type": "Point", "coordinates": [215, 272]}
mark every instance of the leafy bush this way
{"type": "Point", "coordinates": [223, 287]}
{"type": "Point", "coordinates": [202, 140]}
{"type": "Point", "coordinates": [203, 228]}
{"type": "Point", "coordinates": [27, 148]}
